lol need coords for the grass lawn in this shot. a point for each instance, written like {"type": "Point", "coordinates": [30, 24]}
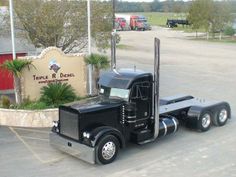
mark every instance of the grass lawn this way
{"type": "Point", "coordinates": [160, 18]}
{"type": "Point", "coordinates": [124, 46]}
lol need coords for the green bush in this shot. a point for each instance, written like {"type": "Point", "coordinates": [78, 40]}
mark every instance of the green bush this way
{"type": "Point", "coordinates": [5, 102]}
{"type": "Point", "coordinates": [229, 31]}
{"type": "Point", "coordinates": [36, 105]}
{"type": "Point", "coordinates": [31, 105]}
{"type": "Point", "coordinates": [55, 94]}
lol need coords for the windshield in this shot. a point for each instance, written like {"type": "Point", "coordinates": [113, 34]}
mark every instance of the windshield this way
{"type": "Point", "coordinates": [114, 93]}
{"type": "Point", "coordinates": [142, 20]}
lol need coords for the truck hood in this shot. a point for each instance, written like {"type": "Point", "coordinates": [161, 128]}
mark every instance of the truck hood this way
{"type": "Point", "coordinates": [95, 104]}
{"type": "Point", "coordinates": [146, 24]}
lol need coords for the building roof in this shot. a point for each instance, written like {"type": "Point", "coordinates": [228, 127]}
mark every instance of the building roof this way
{"type": "Point", "coordinates": [21, 45]}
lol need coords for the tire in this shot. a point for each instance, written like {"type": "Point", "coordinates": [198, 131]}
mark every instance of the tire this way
{"type": "Point", "coordinates": [221, 117]}
{"type": "Point", "coordinates": [107, 149]}
{"type": "Point", "coordinates": [204, 122]}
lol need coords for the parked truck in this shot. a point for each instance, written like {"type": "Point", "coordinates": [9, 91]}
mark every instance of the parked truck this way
{"type": "Point", "coordinates": [128, 109]}
{"type": "Point", "coordinates": [120, 24]}
{"type": "Point", "coordinates": [135, 22]}
{"type": "Point", "coordinates": [171, 23]}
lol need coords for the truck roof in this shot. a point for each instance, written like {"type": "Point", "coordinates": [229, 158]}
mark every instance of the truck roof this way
{"type": "Point", "coordinates": [121, 79]}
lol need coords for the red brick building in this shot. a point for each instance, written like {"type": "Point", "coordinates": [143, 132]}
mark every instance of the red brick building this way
{"type": "Point", "coordinates": [22, 49]}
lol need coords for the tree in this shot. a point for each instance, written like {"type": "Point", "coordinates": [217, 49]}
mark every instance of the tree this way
{"type": "Point", "coordinates": [63, 23]}
{"type": "Point", "coordinates": [16, 67]}
{"type": "Point", "coordinates": [195, 16]}
{"type": "Point", "coordinates": [4, 3]}
{"type": "Point", "coordinates": [101, 23]}
{"type": "Point", "coordinates": [98, 62]}
{"type": "Point", "coordinates": [220, 16]}
{"type": "Point", "coordinates": [200, 14]}
{"type": "Point", "coordinates": [229, 31]}
{"type": "Point", "coordinates": [210, 15]}
{"type": "Point", "coordinates": [156, 6]}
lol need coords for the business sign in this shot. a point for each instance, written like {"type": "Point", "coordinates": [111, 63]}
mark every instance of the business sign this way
{"type": "Point", "coordinates": [54, 77]}
{"type": "Point", "coordinates": [52, 65]}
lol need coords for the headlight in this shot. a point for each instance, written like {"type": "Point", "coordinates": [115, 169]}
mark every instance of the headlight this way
{"type": "Point", "coordinates": [55, 123]}
{"type": "Point", "coordinates": [86, 135]}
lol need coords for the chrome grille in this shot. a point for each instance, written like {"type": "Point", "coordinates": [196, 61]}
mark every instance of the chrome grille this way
{"type": "Point", "coordinates": [69, 124]}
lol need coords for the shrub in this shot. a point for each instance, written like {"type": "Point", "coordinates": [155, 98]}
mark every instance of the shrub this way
{"type": "Point", "coordinates": [35, 105]}
{"type": "Point", "coordinates": [229, 31]}
{"type": "Point", "coordinates": [5, 102]}
{"type": "Point", "coordinates": [55, 94]}
{"type": "Point", "coordinates": [16, 67]}
{"type": "Point", "coordinates": [31, 105]}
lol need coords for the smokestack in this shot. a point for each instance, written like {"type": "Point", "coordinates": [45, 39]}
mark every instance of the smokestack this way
{"type": "Point", "coordinates": [156, 86]}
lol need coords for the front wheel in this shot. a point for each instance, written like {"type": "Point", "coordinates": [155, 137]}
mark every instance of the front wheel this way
{"type": "Point", "coordinates": [107, 149]}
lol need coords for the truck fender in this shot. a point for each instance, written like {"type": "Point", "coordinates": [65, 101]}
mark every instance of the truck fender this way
{"type": "Point", "coordinates": [193, 116]}
{"type": "Point", "coordinates": [99, 132]}
{"type": "Point", "coordinates": [195, 112]}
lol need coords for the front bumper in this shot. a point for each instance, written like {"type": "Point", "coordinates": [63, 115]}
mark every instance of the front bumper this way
{"type": "Point", "coordinates": [74, 148]}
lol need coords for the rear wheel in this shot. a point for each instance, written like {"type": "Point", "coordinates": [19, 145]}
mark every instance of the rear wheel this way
{"type": "Point", "coordinates": [107, 149]}
{"type": "Point", "coordinates": [221, 117]}
{"type": "Point", "coordinates": [204, 122]}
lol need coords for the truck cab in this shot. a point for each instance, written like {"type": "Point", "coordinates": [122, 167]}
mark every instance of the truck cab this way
{"type": "Point", "coordinates": [139, 23]}
{"type": "Point", "coordinates": [121, 23]}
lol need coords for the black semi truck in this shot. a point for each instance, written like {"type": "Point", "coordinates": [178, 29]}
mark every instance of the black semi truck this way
{"type": "Point", "coordinates": [171, 23]}
{"type": "Point", "coordinates": [128, 109]}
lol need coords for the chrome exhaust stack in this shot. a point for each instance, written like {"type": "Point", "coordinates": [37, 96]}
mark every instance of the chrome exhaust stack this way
{"type": "Point", "coordinates": [156, 85]}
{"type": "Point", "coordinates": [155, 93]}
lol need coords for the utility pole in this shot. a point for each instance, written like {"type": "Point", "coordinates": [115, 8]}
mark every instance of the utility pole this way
{"type": "Point", "coordinates": [89, 48]}
{"type": "Point", "coordinates": [113, 38]}
{"type": "Point", "coordinates": [13, 40]}
{"type": "Point", "coordinates": [113, 13]}
{"type": "Point", "coordinates": [12, 30]}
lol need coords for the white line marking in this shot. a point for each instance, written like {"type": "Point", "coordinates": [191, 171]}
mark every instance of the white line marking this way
{"type": "Point", "coordinates": [32, 151]}
{"type": "Point", "coordinates": [31, 130]}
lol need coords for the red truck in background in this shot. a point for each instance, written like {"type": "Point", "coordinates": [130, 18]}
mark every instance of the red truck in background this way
{"type": "Point", "coordinates": [120, 24]}
{"type": "Point", "coordinates": [133, 22]}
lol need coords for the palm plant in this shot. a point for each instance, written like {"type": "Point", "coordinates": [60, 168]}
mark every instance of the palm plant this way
{"type": "Point", "coordinates": [57, 93]}
{"type": "Point", "coordinates": [16, 68]}
{"type": "Point", "coordinates": [98, 62]}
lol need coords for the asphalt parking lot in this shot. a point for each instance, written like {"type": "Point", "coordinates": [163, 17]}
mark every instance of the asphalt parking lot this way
{"type": "Point", "coordinates": [206, 70]}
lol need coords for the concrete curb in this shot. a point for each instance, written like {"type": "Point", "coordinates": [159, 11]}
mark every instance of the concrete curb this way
{"type": "Point", "coordinates": [28, 118]}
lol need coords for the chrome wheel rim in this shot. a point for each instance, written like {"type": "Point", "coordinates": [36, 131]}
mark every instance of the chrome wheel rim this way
{"type": "Point", "coordinates": [206, 120]}
{"type": "Point", "coordinates": [223, 115]}
{"type": "Point", "coordinates": [108, 150]}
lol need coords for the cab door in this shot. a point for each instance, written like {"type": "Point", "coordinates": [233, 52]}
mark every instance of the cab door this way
{"type": "Point", "coordinates": [141, 94]}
